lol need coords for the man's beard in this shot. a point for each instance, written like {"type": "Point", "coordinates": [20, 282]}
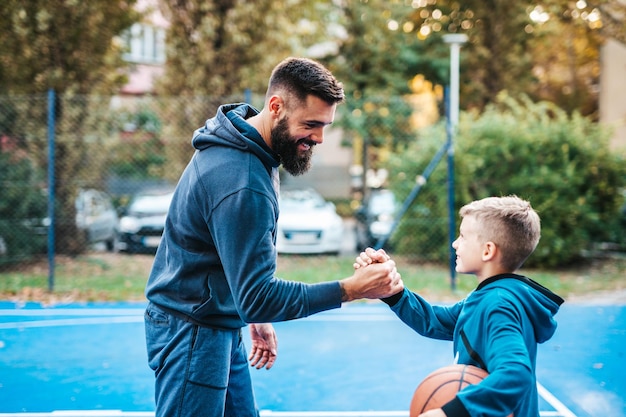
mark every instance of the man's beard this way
{"type": "Point", "coordinates": [286, 147]}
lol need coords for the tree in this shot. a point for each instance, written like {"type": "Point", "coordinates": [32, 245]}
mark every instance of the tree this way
{"type": "Point", "coordinates": [377, 62]}
{"type": "Point", "coordinates": [548, 50]}
{"type": "Point", "coordinates": [568, 38]}
{"type": "Point", "coordinates": [69, 46]}
{"type": "Point", "coordinates": [73, 48]}
{"type": "Point", "coordinates": [19, 204]}
{"type": "Point", "coordinates": [561, 163]}
{"type": "Point", "coordinates": [216, 50]}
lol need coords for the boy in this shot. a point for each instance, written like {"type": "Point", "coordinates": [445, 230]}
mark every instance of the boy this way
{"type": "Point", "coordinates": [496, 327]}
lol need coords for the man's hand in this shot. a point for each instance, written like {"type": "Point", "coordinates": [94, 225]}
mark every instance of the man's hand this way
{"type": "Point", "coordinates": [264, 346]}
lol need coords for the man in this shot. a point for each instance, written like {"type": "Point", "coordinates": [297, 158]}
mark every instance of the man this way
{"type": "Point", "coordinates": [214, 269]}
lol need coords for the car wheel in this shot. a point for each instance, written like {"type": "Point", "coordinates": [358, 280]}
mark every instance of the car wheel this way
{"type": "Point", "coordinates": [111, 244]}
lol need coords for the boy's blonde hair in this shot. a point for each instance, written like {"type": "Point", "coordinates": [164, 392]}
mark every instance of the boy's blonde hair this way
{"type": "Point", "coordinates": [510, 223]}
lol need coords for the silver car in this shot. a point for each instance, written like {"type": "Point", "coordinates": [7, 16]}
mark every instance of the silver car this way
{"type": "Point", "coordinates": [97, 218]}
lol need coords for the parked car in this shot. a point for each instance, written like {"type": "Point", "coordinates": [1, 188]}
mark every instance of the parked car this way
{"type": "Point", "coordinates": [143, 221]}
{"type": "Point", "coordinates": [308, 224]}
{"type": "Point", "coordinates": [96, 216]}
{"type": "Point", "coordinates": [375, 217]}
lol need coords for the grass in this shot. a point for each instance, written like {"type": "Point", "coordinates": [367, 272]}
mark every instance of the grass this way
{"type": "Point", "coordinates": [120, 277]}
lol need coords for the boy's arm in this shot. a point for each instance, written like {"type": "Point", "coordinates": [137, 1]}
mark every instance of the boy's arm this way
{"type": "Point", "coordinates": [436, 322]}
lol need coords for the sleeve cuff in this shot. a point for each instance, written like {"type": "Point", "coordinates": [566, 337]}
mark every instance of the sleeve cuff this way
{"type": "Point", "coordinates": [392, 301]}
{"type": "Point", "coordinates": [455, 408]}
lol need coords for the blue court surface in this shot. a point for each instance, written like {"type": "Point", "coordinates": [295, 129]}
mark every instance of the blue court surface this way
{"type": "Point", "coordinates": [90, 360]}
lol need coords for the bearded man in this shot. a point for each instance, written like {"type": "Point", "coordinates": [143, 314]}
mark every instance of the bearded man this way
{"type": "Point", "coordinates": [213, 272]}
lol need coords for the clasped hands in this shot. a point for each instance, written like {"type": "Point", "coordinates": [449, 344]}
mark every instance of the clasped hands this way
{"type": "Point", "coordinates": [375, 276]}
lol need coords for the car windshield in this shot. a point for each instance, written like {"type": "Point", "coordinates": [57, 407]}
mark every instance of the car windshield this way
{"type": "Point", "coordinates": [382, 202]}
{"type": "Point", "coordinates": [298, 199]}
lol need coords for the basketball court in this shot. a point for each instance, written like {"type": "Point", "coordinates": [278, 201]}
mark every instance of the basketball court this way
{"type": "Point", "coordinates": [90, 360]}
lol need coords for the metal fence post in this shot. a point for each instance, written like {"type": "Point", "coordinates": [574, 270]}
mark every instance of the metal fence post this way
{"type": "Point", "coordinates": [451, 203]}
{"type": "Point", "coordinates": [455, 40]}
{"type": "Point", "coordinates": [51, 187]}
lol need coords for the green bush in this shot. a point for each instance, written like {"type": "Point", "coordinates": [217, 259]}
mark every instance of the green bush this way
{"type": "Point", "coordinates": [22, 207]}
{"type": "Point", "coordinates": [562, 164]}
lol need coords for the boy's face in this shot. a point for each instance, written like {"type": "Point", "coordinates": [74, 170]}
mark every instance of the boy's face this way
{"type": "Point", "coordinates": [469, 249]}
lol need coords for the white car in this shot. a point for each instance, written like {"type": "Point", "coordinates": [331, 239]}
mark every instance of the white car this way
{"type": "Point", "coordinates": [143, 221]}
{"type": "Point", "coordinates": [308, 224]}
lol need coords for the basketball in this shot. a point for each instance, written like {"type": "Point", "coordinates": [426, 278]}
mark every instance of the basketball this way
{"type": "Point", "coordinates": [442, 385]}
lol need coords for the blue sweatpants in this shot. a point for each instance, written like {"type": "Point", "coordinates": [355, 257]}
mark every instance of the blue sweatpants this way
{"type": "Point", "coordinates": [199, 371]}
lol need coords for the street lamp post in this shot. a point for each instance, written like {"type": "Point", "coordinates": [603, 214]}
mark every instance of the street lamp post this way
{"type": "Point", "coordinates": [455, 40]}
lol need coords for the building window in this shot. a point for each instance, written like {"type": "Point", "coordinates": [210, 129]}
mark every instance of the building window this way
{"type": "Point", "coordinates": [146, 44]}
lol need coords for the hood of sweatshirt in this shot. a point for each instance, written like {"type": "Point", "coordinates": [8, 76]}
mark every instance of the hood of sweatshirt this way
{"type": "Point", "coordinates": [228, 128]}
{"type": "Point", "coordinates": [540, 303]}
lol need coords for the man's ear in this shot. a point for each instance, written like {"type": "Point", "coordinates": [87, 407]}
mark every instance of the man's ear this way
{"type": "Point", "coordinates": [276, 106]}
{"type": "Point", "coordinates": [489, 251]}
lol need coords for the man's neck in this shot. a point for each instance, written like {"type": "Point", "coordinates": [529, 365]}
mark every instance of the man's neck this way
{"type": "Point", "coordinates": [260, 124]}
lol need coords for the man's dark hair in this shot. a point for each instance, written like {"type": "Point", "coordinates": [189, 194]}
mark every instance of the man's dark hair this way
{"type": "Point", "coordinates": [302, 77]}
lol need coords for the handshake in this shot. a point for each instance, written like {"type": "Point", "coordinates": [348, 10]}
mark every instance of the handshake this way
{"type": "Point", "coordinates": [375, 276]}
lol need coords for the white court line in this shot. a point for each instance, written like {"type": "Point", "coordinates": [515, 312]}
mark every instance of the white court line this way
{"type": "Point", "coordinates": [83, 413]}
{"type": "Point", "coordinates": [46, 312]}
{"type": "Point", "coordinates": [561, 409]}
{"type": "Point", "coordinates": [264, 413]}
{"type": "Point", "coordinates": [71, 322]}
{"type": "Point", "coordinates": [334, 315]}
{"type": "Point", "coordinates": [112, 316]}
{"type": "Point", "coordinates": [88, 316]}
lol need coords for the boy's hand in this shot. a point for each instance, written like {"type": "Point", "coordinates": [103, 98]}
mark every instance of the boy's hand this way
{"type": "Point", "coordinates": [370, 256]}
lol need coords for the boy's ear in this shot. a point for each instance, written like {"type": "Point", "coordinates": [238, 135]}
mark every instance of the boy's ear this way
{"type": "Point", "coordinates": [489, 251]}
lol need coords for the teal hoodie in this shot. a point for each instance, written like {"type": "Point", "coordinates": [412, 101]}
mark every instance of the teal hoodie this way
{"type": "Point", "coordinates": [216, 262]}
{"type": "Point", "coordinates": [496, 327]}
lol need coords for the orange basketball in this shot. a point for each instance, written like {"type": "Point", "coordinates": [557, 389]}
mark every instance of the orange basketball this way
{"type": "Point", "coordinates": [442, 386]}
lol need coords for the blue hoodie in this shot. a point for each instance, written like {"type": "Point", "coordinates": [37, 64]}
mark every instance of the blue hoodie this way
{"type": "Point", "coordinates": [497, 328]}
{"type": "Point", "coordinates": [216, 262]}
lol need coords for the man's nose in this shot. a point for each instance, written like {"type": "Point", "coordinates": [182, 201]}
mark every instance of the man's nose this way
{"type": "Point", "coordinates": [317, 135]}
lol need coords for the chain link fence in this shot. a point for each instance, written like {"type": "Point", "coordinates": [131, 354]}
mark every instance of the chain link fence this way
{"type": "Point", "coordinates": [69, 165]}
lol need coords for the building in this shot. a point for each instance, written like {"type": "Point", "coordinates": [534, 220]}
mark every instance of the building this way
{"type": "Point", "coordinates": [613, 92]}
{"type": "Point", "coordinates": [146, 42]}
